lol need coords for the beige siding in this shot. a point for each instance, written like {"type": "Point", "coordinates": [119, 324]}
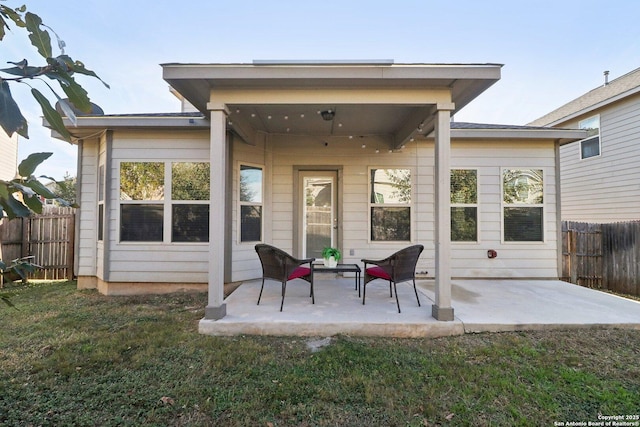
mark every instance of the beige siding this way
{"type": "Point", "coordinates": [514, 260]}
{"type": "Point", "coordinates": [8, 156]}
{"type": "Point", "coordinates": [145, 261]}
{"type": "Point", "coordinates": [280, 156]}
{"type": "Point", "coordinates": [88, 217]}
{"type": "Point", "coordinates": [468, 259]}
{"type": "Point", "coordinates": [605, 188]}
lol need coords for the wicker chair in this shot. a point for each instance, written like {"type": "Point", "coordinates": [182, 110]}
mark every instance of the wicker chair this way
{"type": "Point", "coordinates": [397, 268]}
{"type": "Point", "coordinates": [279, 265]}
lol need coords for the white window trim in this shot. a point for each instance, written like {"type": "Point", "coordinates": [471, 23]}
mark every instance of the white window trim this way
{"type": "Point", "coordinates": [599, 136]}
{"type": "Point", "coordinates": [170, 202]}
{"type": "Point", "coordinates": [166, 202]}
{"type": "Point", "coordinates": [411, 206]}
{"type": "Point", "coordinates": [470, 205]}
{"type": "Point", "coordinates": [524, 205]}
{"type": "Point", "coordinates": [241, 203]}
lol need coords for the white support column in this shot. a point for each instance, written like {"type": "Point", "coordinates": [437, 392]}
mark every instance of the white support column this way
{"type": "Point", "coordinates": [442, 309]}
{"type": "Point", "coordinates": [216, 308]}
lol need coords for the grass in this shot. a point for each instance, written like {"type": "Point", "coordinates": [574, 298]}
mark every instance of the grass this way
{"type": "Point", "coordinates": [74, 357]}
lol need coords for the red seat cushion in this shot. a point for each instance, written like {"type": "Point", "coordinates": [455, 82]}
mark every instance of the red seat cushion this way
{"type": "Point", "coordinates": [378, 272]}
{"type": "Point", "coordinates": [299, 272]}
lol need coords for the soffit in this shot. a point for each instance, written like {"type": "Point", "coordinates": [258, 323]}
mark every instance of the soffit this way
{"type": "Point", "coordinates": [195, 82]}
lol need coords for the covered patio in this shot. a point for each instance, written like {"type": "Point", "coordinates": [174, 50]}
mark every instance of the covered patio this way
{"type": "Point", "coordinates": [481, 306]}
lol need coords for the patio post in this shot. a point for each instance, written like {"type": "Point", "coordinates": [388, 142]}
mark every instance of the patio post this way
{"type": "Point", "coordinates": [216, 308]}
{"type": "Point", "coordinates": [442, 309]}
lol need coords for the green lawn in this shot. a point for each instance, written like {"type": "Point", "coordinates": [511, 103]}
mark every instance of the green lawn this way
{"type": "Point", "coordinates": [74, 357]}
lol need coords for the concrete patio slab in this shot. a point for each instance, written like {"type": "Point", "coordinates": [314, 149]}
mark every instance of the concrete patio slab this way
{"type": "Point", "coordinates": [479, 306]}
{"type": "Point", "coordinates": [515, 305]}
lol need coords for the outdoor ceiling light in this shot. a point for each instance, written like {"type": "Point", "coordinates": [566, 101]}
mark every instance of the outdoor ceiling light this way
{"type": "Point", "coordinates": [327, 115]}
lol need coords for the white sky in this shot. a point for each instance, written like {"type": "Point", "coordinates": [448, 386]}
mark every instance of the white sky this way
{"type": "Point", "coordinates": [552, 51]}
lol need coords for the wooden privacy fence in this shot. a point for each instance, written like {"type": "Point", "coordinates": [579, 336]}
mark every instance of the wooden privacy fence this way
{"type": "Point", "coordinates": [47, 237]}
{"type": "Point", "coordinates": [602, 256]}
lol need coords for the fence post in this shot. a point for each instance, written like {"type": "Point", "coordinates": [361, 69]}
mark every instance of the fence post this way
{"type": "Point", "coordinates": [24, 251]}
{"type": "Point", "coordinates": [70, 246]}
{"type": "Point", "coordinates": [572, 240]}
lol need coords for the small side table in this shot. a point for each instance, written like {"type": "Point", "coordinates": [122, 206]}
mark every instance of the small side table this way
{"type": "Point", "coordinates": [340, 268]}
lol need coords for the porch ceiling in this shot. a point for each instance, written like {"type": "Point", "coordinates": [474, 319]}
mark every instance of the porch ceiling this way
{"type": "Point", "coordinates": [349, 119]}
{"type": "Point", "coordinates": [396, 119]}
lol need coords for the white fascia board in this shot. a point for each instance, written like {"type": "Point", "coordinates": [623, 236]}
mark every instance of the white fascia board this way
{"type": "Point", "coordinates": [565, 136]}
{"type": "Point", "coordinates": [140, 122]}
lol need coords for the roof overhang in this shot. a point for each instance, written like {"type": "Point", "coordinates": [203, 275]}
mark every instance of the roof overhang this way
{"type": "Point", "coordinates": [575, 114]}
{"type": "Point", "coordinates": [89, 126]}
{"type": "Point", "coordinates": [562, 136]}
{"type": "Point", "coordinates": [398, 101]}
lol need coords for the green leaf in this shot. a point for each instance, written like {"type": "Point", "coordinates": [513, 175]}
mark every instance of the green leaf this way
{"type": "Point", "coordinates": [7, 12]}
{"type": "Point", "coordinates": [78, 96]}
{"type": "Point", "coordinates": [24, 71]}
{"type": "Point", "coordinates": [11, 119]}
{"type": "Point", "coordinates": [66, 108]}
{"type": "Point", "coordinates": [5, 212]}
{"type": "Point", "coordinates": [40, 189]}
{"type": "Point", "coordinates": [15, 208]}
{"type": "Point", "coordinates": [3, 25]}
{"type": "Point", "coordinates": [29, 165]}
{"type": "Point", "coordinates": [62, 63]}
{"type": "Point", "coordinates": [26, 191]}
{"type": "Point", "coordinates": [4, 189]}
{"type": "Point", "coordinates": [40, 39]}
{"type": "Point", "coordinates": [76, 93]}
{"type": "Point", "coordinates": [33, 202]}
{"type": "Point", "coordinates": [78, 67]}
{"type": "Point", "coordinates": [14, 14]}
{"type": "Point", "coordinates": [51, 115]}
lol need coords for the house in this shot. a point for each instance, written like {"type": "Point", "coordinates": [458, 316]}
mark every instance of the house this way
{"type": "Point", "coordinates": [359, 155]}
{"type": "Point", "coordinates": [600, 179]}
{"type": "Point", "coordinates": [8, 156]}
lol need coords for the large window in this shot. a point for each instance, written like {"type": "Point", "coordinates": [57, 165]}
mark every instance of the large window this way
{"type": "Point", "coordinates": [190, 202]}
{"type": "Point", "coordinates": [159, 196]}
{"type": "Point", "coordinates": [590, 146]}
{"type": "Point", "coordinates": [523, 198]}
{"type": "Point", "coordinates": [390, 205]}
{"type": "Point", "coordinates": [101, 180]}
{"type": "Point", "coordinates": [464, 205]}
{"type": "Point", "coordinates": [250, 203]}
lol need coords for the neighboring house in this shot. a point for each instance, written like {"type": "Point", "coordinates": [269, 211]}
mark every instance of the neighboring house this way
{"type": "Point", "coordinates": [8, 156]}
{"type": "Point", "coordinates": [600, 177]}
{"type": "Point", "coordinates": [363, 156]}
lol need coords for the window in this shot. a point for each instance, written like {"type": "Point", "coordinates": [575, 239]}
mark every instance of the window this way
{"type": "Point", "coordinates": [250, 203]}
{"type": "Point", "coordinates": [101, 178]}
{"type": "Point", "coordinates": [464, 205]}
{"type": "Point", "coordinates": [390, 205]}
{"type": "Point", "coordinates": [590, 146]}
{"type": "Point", "coordinates": [190, 189]}
{"type": "Point", "coordinates": [523, 198]}
{"type": "Point", "coordinates": [147, 203]}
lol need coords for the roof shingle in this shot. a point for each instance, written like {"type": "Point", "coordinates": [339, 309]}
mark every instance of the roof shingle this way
{"type": "Point", "coordinates": [629, 82]}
